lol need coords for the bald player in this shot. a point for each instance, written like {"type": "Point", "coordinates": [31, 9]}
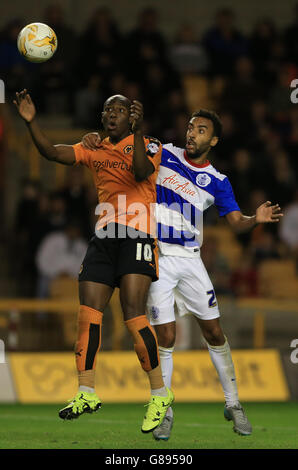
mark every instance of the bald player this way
{"type": "Point", "coordinates": [122, 253]}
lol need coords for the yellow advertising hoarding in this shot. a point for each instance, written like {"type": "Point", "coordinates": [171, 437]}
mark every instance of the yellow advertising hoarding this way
{"type": "Point", "coordinates": [51, 377]}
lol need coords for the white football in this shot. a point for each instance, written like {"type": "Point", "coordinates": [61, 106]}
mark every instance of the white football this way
{"type": "Point", "coordinates": [37, 42]}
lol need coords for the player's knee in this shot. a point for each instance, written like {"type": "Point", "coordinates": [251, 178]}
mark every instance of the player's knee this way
{"type": "Point", "coordinates": [214, 336]}
{"type": "Point", "coordinates": [92, 299]}
{"type": "Point", "coordinates": [91, 303]}
{"type": "Point", "coordinates": [166, 335]}
{"type": "Point", "coordinates": [133, 307]}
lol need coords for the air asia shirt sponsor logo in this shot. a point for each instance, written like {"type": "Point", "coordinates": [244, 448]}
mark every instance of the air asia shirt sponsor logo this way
{"type": "Point", "coordinates": [184, 187]}
{"type": "Point", "coordinates": [111, 164]}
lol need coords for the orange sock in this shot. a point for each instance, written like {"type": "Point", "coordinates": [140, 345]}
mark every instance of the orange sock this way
{"type": "Point", "coordinates": [145, 341]}
{"type": "Point", "coordinates": [89, 337]}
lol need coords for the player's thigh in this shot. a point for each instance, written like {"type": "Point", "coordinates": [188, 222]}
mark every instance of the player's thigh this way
{"type": "Point", "coordinates": [161, 300]}
{"type": "Point", "coordinates": [196, 293]}
{"type": "Point", "coordinates": [95, 295]}
{"type": "Point", "coordinates": [100, 261]}
{"type": "Point", "coordinates": [136, 268]}
{"type": "Point", "coordinates": [133, 294]}
{"type": "Point", "coordinates": [97, 273]}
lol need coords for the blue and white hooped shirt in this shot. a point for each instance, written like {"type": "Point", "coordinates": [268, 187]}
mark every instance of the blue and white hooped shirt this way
{"type": "Point", "coordinates": [184, 191]}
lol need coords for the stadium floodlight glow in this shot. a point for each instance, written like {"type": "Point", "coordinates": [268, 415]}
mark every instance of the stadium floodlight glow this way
{"type": "Point", "coordinates": [2, 352]}
{"type": "Point", "coordinates": [2, 91]}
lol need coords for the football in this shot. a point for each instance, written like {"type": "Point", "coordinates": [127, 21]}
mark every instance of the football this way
{"type": "Point", "coordinates": [37, 42]}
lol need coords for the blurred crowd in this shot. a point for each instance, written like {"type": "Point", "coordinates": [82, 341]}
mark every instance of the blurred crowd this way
{"type": "Point", "coordinates": [260, 123]}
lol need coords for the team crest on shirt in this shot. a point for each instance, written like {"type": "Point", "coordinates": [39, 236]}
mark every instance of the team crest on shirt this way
{"type": "Point", "coordinates": [127, 149]}
{"type": "Point", "coordinates": [154, 312]}
{"type": "Point", "coordinates": [203, 179]}
{"type": "Point", "coordinates": [152, 148]}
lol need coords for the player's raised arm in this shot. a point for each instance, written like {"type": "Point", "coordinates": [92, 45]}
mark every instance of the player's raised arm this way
{"type": "Point", "coordinates": [57, 153]}
{"type": "Point", "coordinates": [141, 164]}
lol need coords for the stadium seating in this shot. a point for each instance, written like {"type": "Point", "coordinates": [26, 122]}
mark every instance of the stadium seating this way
{"type": "Point", "coordinates": [278, 279]}
{"type": "Point", "coordinates": [196, 92]}
{"type": "Point", "coordinates": [228, 245]}
{"type": "Point", "coordinates": [66, 288]}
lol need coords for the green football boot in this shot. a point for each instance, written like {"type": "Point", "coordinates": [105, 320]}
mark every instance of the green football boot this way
{"type": "Point", "coordinates": [83, 402]}
{"type": "Point", "coordinates": [157, 408]}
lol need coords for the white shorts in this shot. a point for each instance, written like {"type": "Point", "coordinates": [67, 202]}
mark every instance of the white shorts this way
{"type": "Point", "coordinates": [186, 282]}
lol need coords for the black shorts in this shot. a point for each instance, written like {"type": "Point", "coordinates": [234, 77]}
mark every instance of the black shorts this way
{"type": "Point", "coordinates": [109, 258]}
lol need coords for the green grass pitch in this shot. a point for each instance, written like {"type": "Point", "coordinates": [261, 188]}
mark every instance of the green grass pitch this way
{"type": "Point", "coordinates": [117, 426]}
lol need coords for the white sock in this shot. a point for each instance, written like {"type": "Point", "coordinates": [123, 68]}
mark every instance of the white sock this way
{"type": "Point", "coordinates": [166, 362]}
{"type": "Point", "coordinates": [160, 392]}
{"type": "Point", "coordinates": [83, 388]}
{"type": "Point", "coordinates": [223, 363]}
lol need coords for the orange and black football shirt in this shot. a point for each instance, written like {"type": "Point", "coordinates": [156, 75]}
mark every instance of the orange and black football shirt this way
{"type": "Point", "coordinates": [121, 198]}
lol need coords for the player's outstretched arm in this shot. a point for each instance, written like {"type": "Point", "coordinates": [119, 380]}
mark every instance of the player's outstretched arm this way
{"type": "Point", "coordinates": [265, 213]}
{"type": "Point", "coordinates": [56, 153]}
